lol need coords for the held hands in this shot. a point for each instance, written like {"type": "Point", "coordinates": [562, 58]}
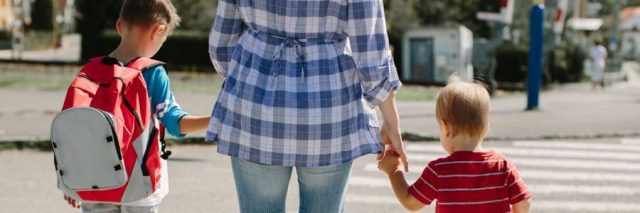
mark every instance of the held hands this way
{"type": "Point", "coordinates": [73, 203]}
{"type": "Point", "coordinates": [392, 144]}
{"type": "Point", "coordinates": [390, 163]}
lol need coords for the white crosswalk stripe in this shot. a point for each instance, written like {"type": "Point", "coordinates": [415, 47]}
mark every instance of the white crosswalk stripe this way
{"type": "Point", "coordinates": [564, 176]}
{"type": "Point", "coordinates": [631, 141]}
{"type": "Point", "coordinates": [551, 162]}
{"type": "Point", "coordinates": [540, 152]}
{"type": "Point", "coordinates": [578, 145]}
{"type": "Point", "coordinates": [538, 188]}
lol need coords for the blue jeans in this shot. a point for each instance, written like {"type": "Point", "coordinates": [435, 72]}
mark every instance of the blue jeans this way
{"type": "Point", "coordinates": [263, 188]}
{"type": "Point", "coordinates": [115, 208]}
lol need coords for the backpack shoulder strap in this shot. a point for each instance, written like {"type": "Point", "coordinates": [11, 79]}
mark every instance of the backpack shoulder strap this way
{"type": "Point", "coordinates": [143, 63]}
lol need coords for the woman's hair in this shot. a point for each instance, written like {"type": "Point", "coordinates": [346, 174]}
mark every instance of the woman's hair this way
{"type": "Point", "coordinates": [149, 12]}
{"type": "Point", "coordinates": [465, 108]}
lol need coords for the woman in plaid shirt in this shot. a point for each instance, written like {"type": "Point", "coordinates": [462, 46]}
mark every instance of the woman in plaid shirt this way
{"type": "Point", "coordinates": [302, 80]}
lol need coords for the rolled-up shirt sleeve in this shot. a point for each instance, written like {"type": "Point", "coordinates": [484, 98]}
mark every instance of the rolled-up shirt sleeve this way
{"type": "Point", "coordinates": [369, 43]}
{"type": "Point", "coordinates": [225, 32]}
{"type": "Point", "coordinates": [163, 102]}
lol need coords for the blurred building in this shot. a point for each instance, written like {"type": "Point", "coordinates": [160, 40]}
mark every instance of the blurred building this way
{"type": "Point", "coordinates": [6, 14]}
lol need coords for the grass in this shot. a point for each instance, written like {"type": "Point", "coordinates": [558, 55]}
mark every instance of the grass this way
{"type": "Point", "coordinates": [56, 78]}
{"type": "Point", "coordinates": [417, 93]}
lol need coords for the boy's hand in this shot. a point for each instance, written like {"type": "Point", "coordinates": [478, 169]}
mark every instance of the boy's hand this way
{"type": "Point", "coordinates": [390, 163]}
{"type": "Point", "coordinates": [73, 203]}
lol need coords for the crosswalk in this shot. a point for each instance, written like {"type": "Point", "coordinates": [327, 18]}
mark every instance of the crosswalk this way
{"type": "Point", "coordinates": [564, 176]}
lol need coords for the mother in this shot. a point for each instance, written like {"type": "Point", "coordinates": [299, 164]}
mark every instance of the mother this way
{"type": "Point", "coordinates": [303, 78]}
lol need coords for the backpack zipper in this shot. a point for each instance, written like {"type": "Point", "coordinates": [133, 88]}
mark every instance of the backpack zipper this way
{"type": "Point", "coordinates": [126, 102]}
{"type": "Point", "coordinates": [128, 105]}
{"type": "Point", "coordinates": [144, 169]}
{"type": "Point", "coordinates": [113, 132]}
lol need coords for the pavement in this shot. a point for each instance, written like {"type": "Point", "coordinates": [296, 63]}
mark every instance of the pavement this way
{"type": "Point", "coordinates": [579, 153]}
{"type": "Point", "coordinates": [572, 176]}
{"type": "Point", "coordinates": [571, 111]}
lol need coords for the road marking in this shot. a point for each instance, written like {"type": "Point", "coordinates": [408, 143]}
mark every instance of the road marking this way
{"type": "Point", "coordinates": [577, 176]}
{"type": "Point", "coordinates": [631, 141]}
{"type": "Point", "coordinates": [368, 181]}
{"type": "Point", "coordinates": [538, 152]}
{"type": "Point", "coordinates": [551, 163]}
{"type": "Point", "coordinates": [581, 206]}
{"type": "Point", "coordinates": [537, 174]}
{"type": "Point", "coordinates": [577, 145]}
{"type": "Point", "coordinates": [371, 199]}
{"type": "Point", "coordinates": [536, 188]}
{"type": "Point", "coordinates": [583, 189]}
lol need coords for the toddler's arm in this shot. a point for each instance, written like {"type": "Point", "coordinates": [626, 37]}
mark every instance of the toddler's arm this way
{"type": "Point", "coordinates": [401, 190]}
{"type": "Point", "coordinates": [522, 206]}
{"type": "Point", "coordinates": [390, 165]}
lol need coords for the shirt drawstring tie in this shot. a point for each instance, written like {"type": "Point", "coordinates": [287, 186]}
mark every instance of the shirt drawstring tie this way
{"type": "Point", "coordinates": [298, 50]}
{"type": "Point", "coordinates": [297, 44]}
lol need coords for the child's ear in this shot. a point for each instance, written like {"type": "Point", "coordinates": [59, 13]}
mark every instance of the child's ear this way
{"type": "Point", "coordinates": [444, 126]}
{"type": "Point", "coordinates": [159, 31]}
{"type": "Point", "coordinates": [119, 27]}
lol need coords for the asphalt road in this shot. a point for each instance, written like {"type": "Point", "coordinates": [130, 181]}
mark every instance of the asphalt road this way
{"type": "Point", "coordinates": [565, 176]}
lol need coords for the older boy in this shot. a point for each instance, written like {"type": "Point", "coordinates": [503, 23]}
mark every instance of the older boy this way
{"type": "Point", "coordinates": [471, 178]}
{"type": "Point", "coordinates": [144, 25]}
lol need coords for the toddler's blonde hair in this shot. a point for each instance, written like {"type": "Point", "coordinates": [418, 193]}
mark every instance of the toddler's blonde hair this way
{"type": "Point", "coordinates": [465, 108]}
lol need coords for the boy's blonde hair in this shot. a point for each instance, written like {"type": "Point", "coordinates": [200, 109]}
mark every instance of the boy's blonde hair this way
{"type": "Point", "coordinates": [465, 107]}
{"type": "Point", "coordinates": [149, 12]}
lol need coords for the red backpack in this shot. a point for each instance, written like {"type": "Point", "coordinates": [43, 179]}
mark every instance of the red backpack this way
{"type": "Point", "coordinates": [107, 145]}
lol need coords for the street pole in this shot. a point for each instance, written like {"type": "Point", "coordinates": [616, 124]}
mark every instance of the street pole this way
{"type": "Point", "coordinates": [534, 71]}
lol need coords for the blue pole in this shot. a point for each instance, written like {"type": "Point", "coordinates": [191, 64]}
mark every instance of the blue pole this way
{"type": "Point", "coordinates": [534, 71]}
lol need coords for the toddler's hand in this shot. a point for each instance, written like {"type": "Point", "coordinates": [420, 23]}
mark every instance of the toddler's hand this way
{"type": "Point", "coordinates": [390, 163]}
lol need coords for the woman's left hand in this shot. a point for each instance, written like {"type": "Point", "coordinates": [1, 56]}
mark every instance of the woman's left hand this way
{"type": "Point", "coordinates": [392, 142]}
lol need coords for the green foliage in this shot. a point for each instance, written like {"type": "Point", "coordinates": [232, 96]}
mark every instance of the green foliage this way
{"type": "Point", "coordinates": [565, 63]}
{"type": "Point", "coordinates": [193, 43]}
{"type": "Point", "coordinates": [5, 35]}
{"type": "Point", "coordinates": [404, 15]}
{"type": "Point", "coordinates": [95, 17]}
{"type": "Point", "coordinates": [197, 15]}
{"type": "Point", "coordinates": [92, 18]}
{"type": "Point", "coordinates": [451, 12]}
{"type": "Point", "coordinates": [42, 15]}
{"type": "Point", "coordinates": [511, 63]}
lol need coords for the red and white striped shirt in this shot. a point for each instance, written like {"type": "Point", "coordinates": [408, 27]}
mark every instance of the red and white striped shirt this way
{"type": "Point", "coordinates": [470, 182]}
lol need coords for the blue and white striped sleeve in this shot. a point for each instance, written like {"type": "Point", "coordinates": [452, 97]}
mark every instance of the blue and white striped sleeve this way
{"type": "Point", "coordinates": [367, 32]}
{"type": "Point", "coordinates": [163, 102]}
{"type": "Point", "coordinates": [225, 32]}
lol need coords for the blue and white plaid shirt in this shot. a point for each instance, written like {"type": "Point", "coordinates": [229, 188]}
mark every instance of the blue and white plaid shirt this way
{"type": "Point", "coordinates": [302, 79]}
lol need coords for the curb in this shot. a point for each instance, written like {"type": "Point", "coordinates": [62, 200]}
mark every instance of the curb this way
{"type": "Point", "coordinates": [41, 144]}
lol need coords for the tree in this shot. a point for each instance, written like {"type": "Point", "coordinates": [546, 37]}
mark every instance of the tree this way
{"type": "Point", "coordinates": [92, 18]}
{"type": "Point", "coordinates": [196, 15]}
{"type": "Point", "coordinates": [42, 15]}
{"type": "Point", "coordinates": [449, 12]}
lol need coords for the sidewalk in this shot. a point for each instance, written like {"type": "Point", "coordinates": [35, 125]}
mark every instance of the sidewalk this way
{"type": "Point", "coordinates": [568, 112]}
